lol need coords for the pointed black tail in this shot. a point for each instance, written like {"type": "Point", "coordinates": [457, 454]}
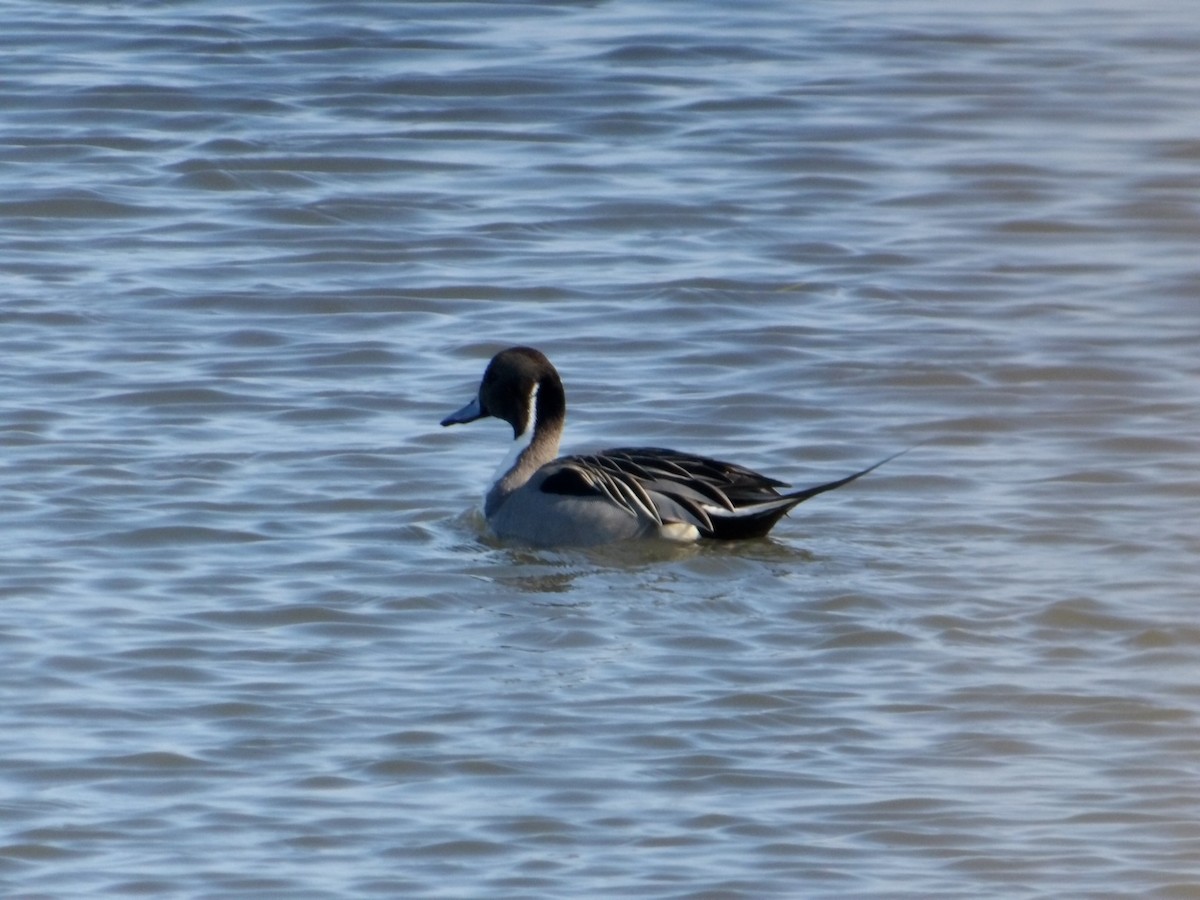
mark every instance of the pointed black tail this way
{"type": "Point", "coordinates": [802, 495]}
{"type": "Point", "coordinates": [757, 523]}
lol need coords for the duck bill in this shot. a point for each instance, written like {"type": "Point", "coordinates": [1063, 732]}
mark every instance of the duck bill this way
{"type": "Point", "coordinates": [468, 413]}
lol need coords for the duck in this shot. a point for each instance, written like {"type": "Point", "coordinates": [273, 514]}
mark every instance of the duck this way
{"type": "Point", "coordinates": [627, 493]}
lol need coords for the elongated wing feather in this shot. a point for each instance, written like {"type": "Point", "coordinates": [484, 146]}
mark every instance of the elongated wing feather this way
{"type": "Point", "coordinates": [584, 475]}
{"type": "Point", "coordinates": [721, 499]}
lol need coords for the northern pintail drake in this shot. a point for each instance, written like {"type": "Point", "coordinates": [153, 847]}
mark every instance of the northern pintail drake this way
{"type": "Point", "coordinates": [546, 500]}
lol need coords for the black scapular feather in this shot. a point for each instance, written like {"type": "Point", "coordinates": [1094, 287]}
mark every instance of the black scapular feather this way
{"type": "Point", "coordinates": [723, 500]}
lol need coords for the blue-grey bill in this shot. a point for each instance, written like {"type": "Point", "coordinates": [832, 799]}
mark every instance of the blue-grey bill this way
{"type": "Point", "coordinates": [468, 413]}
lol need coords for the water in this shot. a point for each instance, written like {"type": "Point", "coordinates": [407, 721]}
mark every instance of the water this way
{"type": "Point", "coordinates": [253, 639]}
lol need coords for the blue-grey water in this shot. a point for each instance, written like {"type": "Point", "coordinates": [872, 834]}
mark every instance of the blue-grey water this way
{"type": "Point", "coordinates": [253, 638]}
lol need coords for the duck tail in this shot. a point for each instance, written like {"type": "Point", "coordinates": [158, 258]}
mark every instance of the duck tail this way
{"type": "Point", "coordinates": [757, 520]}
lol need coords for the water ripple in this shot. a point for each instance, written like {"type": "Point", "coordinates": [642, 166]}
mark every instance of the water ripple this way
{"type": "Point", "coordinates": [251, 614]}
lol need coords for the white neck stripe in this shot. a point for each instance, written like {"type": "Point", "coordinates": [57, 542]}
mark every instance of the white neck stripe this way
{"type": "Point", "coordinates": [531, 415]}
{"type": "Point", "coordinates": [522, 441]}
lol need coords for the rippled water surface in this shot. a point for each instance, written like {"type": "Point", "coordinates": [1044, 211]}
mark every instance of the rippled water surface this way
{"type": "Point", "coordinates": [254, 640]}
